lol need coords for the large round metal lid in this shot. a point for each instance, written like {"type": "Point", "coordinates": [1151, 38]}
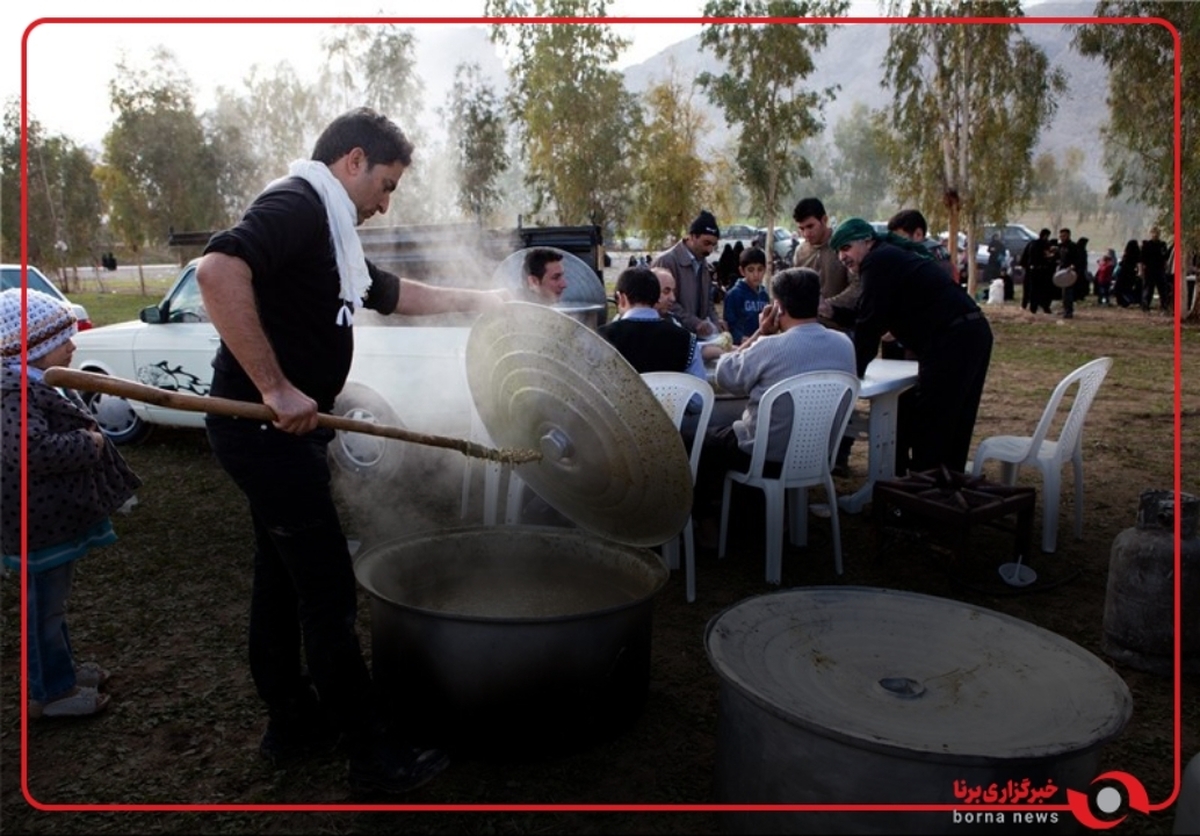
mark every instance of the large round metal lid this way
{"type": "Point", "coordinates": [612, 460]}
{"type": "Point", "coordinates": [889, 670]}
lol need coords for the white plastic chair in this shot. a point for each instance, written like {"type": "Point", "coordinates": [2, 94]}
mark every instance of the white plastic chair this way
{"type": "Point", "coordinates": [1049, 455]}
{"type": "Point", "coordinates": [674, 391]}
{"type": "Point", "coordinates": [822, 403]}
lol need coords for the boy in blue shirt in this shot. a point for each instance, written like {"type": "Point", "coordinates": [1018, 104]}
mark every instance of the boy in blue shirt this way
{"type": "Point", "coordinates": [747, 297]}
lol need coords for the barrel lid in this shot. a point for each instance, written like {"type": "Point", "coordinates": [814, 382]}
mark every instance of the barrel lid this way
{"type": "Point", "coordinates": [891, 670]}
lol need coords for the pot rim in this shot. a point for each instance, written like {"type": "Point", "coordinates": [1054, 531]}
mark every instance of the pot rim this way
{"type": "Point", "coordinates": [655, 562]}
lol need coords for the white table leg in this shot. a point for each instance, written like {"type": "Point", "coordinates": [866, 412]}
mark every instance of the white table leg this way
{"type": "Point", "coordinates": [881, 450]}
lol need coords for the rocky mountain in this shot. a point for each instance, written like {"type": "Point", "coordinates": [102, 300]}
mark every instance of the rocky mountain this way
{"type": "Point", "coordinates": [853, 59]}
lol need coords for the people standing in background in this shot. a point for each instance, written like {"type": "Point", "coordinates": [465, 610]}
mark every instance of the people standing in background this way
{"type": "Point", "coordinates": [1127, 280]}
{"type": "Point", "coordinates": [727, 267]}
{"type": "Point", "coordinates": [1082, 286]}
{"type": "Point", "coordinates": [688, 263]}
{"type": "Point", "coordinates": [911, 224]}
{"type": "Point", "coordinates": [997, 252]}
{"type": "Point", "coordinates": [1037, 261]}
{"type": "Point", "coordinates": [1104, 277]}
{"type": "Point", "coordinates": [747, 297]}
{"type": "Point", "coordinates": [1066, 255]}
{"type": "Point", "coordinates": [1154, 272]}
{"type": "Point", "coordinates": [839, 290]}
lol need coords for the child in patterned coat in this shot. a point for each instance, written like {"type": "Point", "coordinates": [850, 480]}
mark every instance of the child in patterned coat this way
{"type": "Point", "coordinates": [74, 478]}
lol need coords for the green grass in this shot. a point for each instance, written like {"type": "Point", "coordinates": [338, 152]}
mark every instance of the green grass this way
{"type": "Point", "coordinates": [108, 308]}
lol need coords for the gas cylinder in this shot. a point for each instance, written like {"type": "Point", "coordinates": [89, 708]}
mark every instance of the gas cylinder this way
{"type": "Point", "coordinates": [1139, 607]}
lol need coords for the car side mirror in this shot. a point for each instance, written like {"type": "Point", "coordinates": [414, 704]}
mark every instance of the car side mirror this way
{"type": "Point", "coordinates": [152, 315]}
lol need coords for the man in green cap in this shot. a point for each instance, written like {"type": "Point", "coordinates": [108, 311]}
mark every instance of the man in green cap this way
{"type": "Point", "coordinates": [907, 293]}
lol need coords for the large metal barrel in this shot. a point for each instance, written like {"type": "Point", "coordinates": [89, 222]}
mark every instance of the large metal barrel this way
{"type": "Point", "coordinates": [857, 696]}
{"type": "Point", "coordinates": [516, 639]}
{"type": "Point", "coordinates": [1140, 607]}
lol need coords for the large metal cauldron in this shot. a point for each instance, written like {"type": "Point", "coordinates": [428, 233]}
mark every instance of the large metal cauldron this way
{"type": "Point", "coordinates": [850, 695]}
{"type": "Point", "coordinates": [532, 637]}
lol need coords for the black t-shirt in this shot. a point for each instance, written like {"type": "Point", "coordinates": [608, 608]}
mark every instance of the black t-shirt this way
{"type": "Point", "coordinates": [284, 238]}
{"type": "Point", "coordinates": [1154, 256]}
{"type": "Point", "coordinates": [907, 294]}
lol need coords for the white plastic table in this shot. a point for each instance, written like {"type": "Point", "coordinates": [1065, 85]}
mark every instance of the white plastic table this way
{"type": "Point", "coordinates": [881, 387]}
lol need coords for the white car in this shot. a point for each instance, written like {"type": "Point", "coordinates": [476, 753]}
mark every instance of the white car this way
{"type": "Point", "coordinates": [10, 277]}
{"type": "Point", "coordinates": [408, 376]}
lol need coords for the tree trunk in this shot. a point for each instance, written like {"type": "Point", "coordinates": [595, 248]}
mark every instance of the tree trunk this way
{"type": "Point", "coordinates": [1193, 314]}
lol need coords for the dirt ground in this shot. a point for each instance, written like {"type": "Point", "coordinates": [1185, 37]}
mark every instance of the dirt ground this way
{"type": "Point", "coordinates": [165, 610]}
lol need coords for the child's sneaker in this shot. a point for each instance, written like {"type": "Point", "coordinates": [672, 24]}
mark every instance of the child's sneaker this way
{"type": "Point", "coordinates": [82, 702]}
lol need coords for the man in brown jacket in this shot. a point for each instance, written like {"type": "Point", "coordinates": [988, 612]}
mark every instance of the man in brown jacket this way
{"type": "Point", "coordinates": [687, 261]}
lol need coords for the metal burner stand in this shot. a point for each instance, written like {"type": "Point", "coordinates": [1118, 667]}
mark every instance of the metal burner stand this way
{"type": "Point", "coordinates": [956, 502]}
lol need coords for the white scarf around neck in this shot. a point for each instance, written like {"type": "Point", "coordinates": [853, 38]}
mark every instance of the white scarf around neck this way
{"type": "Point", "coordinates": [343, 217]}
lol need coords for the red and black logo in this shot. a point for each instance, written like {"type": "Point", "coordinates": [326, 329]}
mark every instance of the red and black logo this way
{"type": "Point", "coordinates": [1108, 800]}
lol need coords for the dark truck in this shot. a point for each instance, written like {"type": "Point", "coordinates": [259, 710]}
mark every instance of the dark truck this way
{"type": "Point", "coordinates": [468, 255]}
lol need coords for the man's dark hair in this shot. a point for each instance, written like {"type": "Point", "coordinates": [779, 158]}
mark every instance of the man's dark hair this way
{"type": "Point", "coordinates": [1064, 229]}
{"type": "Point", "coordinates": [908, 220]}
{"type": "Point", "coordinates": [809, 207]}
{"type": "Point", "coordinates": [537, 259]}
{"type": "Point", "coordinates": [752, 255]}
{"type": "Point", "coordinates": [640, 285]}
{"type": "Point", "coordinates": [378, 136]}
{"type": "Point", "coordinates": [798, 290]}
{"type": "Point", "coordinates": [1045, 233]}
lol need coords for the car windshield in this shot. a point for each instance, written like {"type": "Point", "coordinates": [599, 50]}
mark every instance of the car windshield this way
{"type": "Point", "coordinates": [12, 278]}
{"type": "Point", "coordinates": [185, 304]}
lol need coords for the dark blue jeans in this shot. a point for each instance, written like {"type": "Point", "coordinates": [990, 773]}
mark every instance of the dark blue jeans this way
{"type": "Point", "coordinates": [304, 585]}
{"type": "Point", "coordinates": [51, 665]}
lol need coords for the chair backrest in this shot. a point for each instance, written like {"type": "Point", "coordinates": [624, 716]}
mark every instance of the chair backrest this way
{"type": "Point", "coordinates": [821, 406]}
{"type": "Point", "coordinates": [1089, 377]}
{"type": "Point", "coordinates": [675, 390]}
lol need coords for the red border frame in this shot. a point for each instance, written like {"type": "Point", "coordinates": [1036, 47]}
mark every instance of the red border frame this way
{"type": "Point", "coordinates": [946, 808]}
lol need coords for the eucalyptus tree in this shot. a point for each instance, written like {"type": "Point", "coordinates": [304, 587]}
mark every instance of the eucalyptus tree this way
{"type": "Point", "coordinates": [260, 127]}
{"type": "Point", "coordinates": [1140, 138]}
{"type": "Point", "coordinates": [822, 180]}
{"type": "Point", "coordinates": [158, 171]}
{"type": "Point", "coordinates": [63, 202]}
{"type": "Point", "coordinates": [762, 92]}
{"type": "Point", "coordinates": [1060, 189]}
{"type": "Point", "coordinates": [576, 119]}
{"type": "Point", "coordinates": [969, 101]}
{"type": "Point", "coordinates": [862, 145]}
{"type": "Point", "coordinates": [477, 133]}
{"type": "Point", "coordinates": [669, 171]}
{"type": "Point", "coordinates": [243, 168]}
{"type": "Point", "coordinates": [375, 65]}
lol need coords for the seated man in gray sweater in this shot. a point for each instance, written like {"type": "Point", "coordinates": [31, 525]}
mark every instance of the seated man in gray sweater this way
{"type": "Point", "coordinates": [789, 341]}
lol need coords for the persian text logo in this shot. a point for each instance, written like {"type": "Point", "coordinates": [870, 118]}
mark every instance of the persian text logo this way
{"type": "Point", "coordinates": [1010, 792]}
